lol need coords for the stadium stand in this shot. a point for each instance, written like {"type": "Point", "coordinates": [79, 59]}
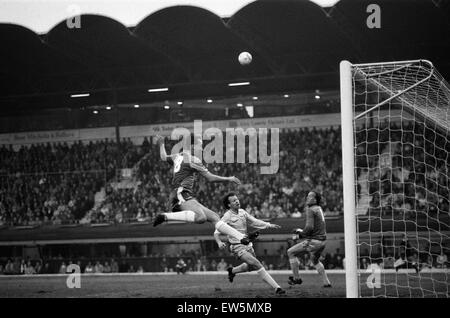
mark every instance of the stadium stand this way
{"type": "Point", "coordinates": [57, 183]}
{"type": "Point", "coordinates": [420, 185]}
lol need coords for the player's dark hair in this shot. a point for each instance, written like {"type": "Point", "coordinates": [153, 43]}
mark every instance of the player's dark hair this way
{"type": "Point", "coordinates": [318, 197]}
{"type": "Point", "coordinates": [226, 199]}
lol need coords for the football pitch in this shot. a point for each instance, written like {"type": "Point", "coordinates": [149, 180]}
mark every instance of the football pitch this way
{"type": "Point", "coordinates": [216, 285]}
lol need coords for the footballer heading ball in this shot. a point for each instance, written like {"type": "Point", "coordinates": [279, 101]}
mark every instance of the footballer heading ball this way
{"type": "Point", "coordinates": [245, 58]}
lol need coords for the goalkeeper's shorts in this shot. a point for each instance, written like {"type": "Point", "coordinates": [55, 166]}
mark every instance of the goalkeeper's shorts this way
{"type": "Point", "coordinates": [240, 249]}
{"type": "Point", "coordinates": [315, 247]}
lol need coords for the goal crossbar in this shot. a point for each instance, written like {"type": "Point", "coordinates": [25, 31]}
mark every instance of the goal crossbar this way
{"type": "Point", "coordinates": [390, 95]}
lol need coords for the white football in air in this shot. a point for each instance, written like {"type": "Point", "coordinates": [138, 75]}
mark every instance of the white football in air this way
{"type": "Point", "coordinates": [245, 58]}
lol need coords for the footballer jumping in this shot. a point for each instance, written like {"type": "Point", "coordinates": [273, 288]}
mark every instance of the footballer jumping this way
{"type": "Point", "coordinates": [183, 204]}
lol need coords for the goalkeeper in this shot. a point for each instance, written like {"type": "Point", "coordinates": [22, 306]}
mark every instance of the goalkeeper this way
{"type": "Point", "coordinates": [313, 240]}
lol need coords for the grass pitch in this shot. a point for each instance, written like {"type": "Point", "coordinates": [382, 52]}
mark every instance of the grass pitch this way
{"type": "Point", "coordinates": [216, 285]}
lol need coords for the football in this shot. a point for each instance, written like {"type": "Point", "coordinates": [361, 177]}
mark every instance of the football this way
{"type": "Point", "coordinates": [245, 58]}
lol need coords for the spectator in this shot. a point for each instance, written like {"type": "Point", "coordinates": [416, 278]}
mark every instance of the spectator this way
{"type": "Point", "coordinates": [131, 269]}
{"type": "Point", "coordinates": [213, 265]}
{"type": "Point", "coordinates": [62, 268]}
{"type": "Point", "coordinates": [442, 260]}
{"type": "Point", "coordinates": [140, 270]}
{"type": "Point", "coordinates": [89, 269]}
{"type": "Point", "coordinates": [189, 265]}
{"type": "Point", "coordinates": [181, 266]}
{"type": "Point", "coordinates": [46, 269]}
{"type": "Point", "coordinates": [114, 266]}
{"type": "Point", "coordinates": [98, 268]}
{"type": "Point", "coordinates": [388, 262]}
{"type": "Point", "coordinates": [123, 267]}
{"type": "Point", "coordinates": [429, 262]}
{"type": "Point", "coordinates": [29, 269]}
{"type": "Point", "coordinates": [69, 268]}
{"type": "Point", "coordinates": [222, 265]}
{"type": "Point", "coordinates": [364, 263]}
{"type": "Point", "coordinates": [106, 268]}
{"type": "Point", "coordinates": [296, 213]}
{"type": "Point", "coordinates": [164, 265]}
{"type": "Point", "coordinates": [9, 268]}
{"type": "Point", "coordinates": [38, 267]}
{"type": "Point", "coordinates": [16, 266]}
{"type": "Point", "coordinates": [23, 266]}
{"type": "Point", "coordinates": [200, 266]}
{"type": "Point", "coordinates": [79, 266]}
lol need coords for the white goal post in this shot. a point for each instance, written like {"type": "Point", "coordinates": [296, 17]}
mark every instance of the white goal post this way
{"type": "Point", "coordinates": [395, 121]}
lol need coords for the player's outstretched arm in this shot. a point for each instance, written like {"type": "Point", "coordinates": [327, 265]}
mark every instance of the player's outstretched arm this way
{"type": "Point", "coordinates": [215, 178]}
{"type": "Point", "coordinates": [200, 168]}
{"type": "Point", "coordinates": [219, 242]}
{"type": "Point", "coordinates": [259, 224]}
{"type": "Point", "coordinates": [162, 148]}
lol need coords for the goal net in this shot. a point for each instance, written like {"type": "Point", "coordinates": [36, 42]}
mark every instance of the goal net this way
{"type": "Point", "coordinates": [396, 171]}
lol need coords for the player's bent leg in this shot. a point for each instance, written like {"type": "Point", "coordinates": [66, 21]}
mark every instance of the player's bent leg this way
{"type": "Point", "coordinates": [210, 215]}
{"type": "Point", "coordinates": [293, 253]}
{"type": "Point", "coordinates": [317, 248]}
{"type": "Point", "coordinates": [222, 227]}
{"type": "Point", "coordinates": [190, 212]}
{"type": "Point", "coordinates": [268, 279]}
{"type": "Point", "coordinates": [232, 271]}
{"type": "Point", "coordinates": [253, 262]}
{"type": "Point", "coordinates": [243, 268]}
{"type": "Point", "coordinates": [321, 270]}
{"type": "Point", "coordinates": [187, 216]}
{"type": "Point", "coordinates": [197, 208]}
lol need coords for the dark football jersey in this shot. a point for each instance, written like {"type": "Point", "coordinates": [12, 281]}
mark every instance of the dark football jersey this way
{"type": "Point", "coordinates": [315, 223]}
{"type": "Point", "coordinates": [185, 169]}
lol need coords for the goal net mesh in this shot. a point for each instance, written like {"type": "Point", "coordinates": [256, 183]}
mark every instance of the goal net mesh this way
{"type": "Point", "coordinates": [402, 171]}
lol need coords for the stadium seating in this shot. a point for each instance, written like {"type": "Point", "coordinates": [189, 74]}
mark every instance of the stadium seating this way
{"type": "Point", "coordinates": [57, 183]}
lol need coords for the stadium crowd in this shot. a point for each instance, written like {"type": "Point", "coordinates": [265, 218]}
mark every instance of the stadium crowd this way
{"type": "Point", "coordinates": [194, 262]}
{"type": "Point", "coordinates": [57, 183]}
{"type": "Point", "coordinates": [407, 169]}
{"type": "Point", "coordinates": [307, 158]}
